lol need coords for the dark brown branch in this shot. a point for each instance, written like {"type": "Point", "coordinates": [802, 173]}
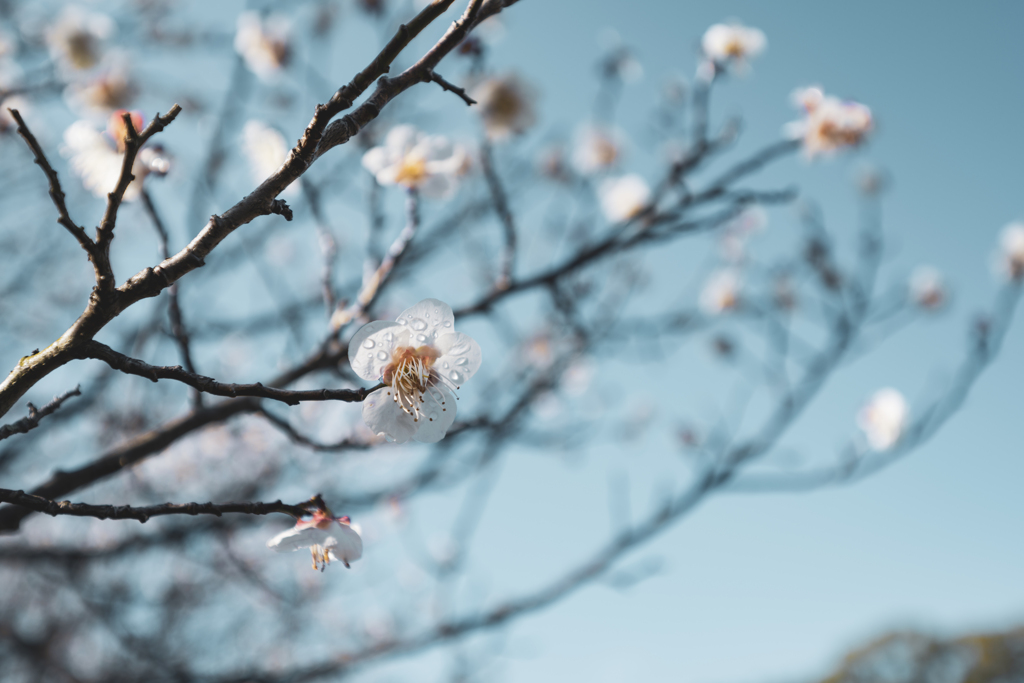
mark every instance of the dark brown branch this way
{"type": "Point", "coordinates": [451, 87]}
{"type": "Point", "coordinates": [26, 424]}
{"type": "Point", "coordinates": [63, 482]}
{"type": "Point", "coordinates": [208, 385]}
{"type": "Point", "coordinates": [143, 513]}
{"type": "Point", "coordinates": [56, 193]}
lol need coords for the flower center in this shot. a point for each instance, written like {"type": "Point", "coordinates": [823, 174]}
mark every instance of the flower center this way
{"type": "Point", "coordinates": [734, 48]}
{"type": "Point", "coordinates": [413, 380]}
{"type": "Point", "coordinates": [412, 171]}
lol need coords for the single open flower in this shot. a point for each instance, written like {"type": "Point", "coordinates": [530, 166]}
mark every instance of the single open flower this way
{"type": "Point", "coordinates": [266, 150]}
{"type": "Point", "coordinates": [735, 43]}
{"type": "Point", "coordinates": [263, 43]}
{"type": "Point", "coordinates": [1011, 253]}
{"type": "Point", "coordinates": [883, 419]}
{"type": "Point", "coordinates": [506, 105]}
{"type": "Point", "coordinates": [327, 537]}
{"type": "Point", "coordinates": [96, 157]}
{"type": "Point", "coordinates": [927, 289]}
{"type": "Point", "coordinates": [721, 292]}
{"type": "Point", "coordinates": [76, 38]}
{"type": "Point", "coordinates": [624, 197]}
{"type": "Point", "coordinates": [830, 124]}
{"type": "Point", "coordinates": [416, 161]}
{"type": "Point", "coordinates": [421, 359]}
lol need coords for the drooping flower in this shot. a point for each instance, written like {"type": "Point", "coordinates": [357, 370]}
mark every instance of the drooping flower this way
{"type": "Point", "coordinates": [96, 156]}
{"type": "Point", "coordinates": [429, 164]}
{"type": "Point", "coordinates": [733, 43]}
{"type": "Point", "coordinates": [327, 537]}
{"type": "Point", "coordinates": [721, 292]}
{"type": "Point", "coordinates": [264, 43]}
{"type": "Point", "coordinates": [596, 149]}
{"type": "Point", "coordinates": [830, 124]}
{"type": "Point", "coordinates": [1011, 253]}
{"type": "Point", "coordinates": [883, 419]}
{"type": "Point", "coordinates": [266, 150]}
{"type": "Point", "coordinates": [76, 38]}
{"type": "Point", "coordinates": [421, 359]}
{"type": "Point", "coordinates": [927, 288]}
{"type": "Point", "coordinates": [624, 197]}
{"type": "Point", "coordinates": [506, 105]}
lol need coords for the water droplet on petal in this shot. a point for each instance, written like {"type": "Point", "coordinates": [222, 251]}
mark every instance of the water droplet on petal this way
{"type": "Point", "coordinates": [421, 338]}
{"type": "Point", "coordinates": [447, 323]}
{"type": "Point", "coordinates": [456, 377]}
{"type": "Point", "coordinates": [445, 365]}
{"type": "Point", "coordinates": [369, 344]}
{"type": "Point", "coordinates": [381, 355]}
{"type": "Point", "coordinates": [461, 361]}
{"type": "Point", "coordinates": [419, 325]}
{"type": "Point", "coordinates": [402, 321]}
{"type": "Point", "coordinates": [389, 337]}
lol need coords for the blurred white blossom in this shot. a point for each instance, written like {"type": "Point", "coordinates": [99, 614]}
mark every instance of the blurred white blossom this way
{"type": "Point", "coordinates": [76, 39]}
{"type": "Point", "coordinates": [733, 43]}
{"type": "Point", "coordinates": [96, 156]}
{"type": "Point", "coordinates": [421, 359]}
{"type": "Point", "coordinates": [883, 419]}
{"type": "Point", "coordinates": [721, 292]}
{"type": "Point", "coordinates": [430, 164]}
{"type": "Point", "coordinates": [829, 124]}
{"type": "Point", "coordinates": [264, 43]}
{"type": "Point", "coordinates": [1011, 252]}
{"type": "Point", "coordinates": [596, 149]}
{"type": "Point", "coordinates": [506, 105]}
{"type": "Point", "coordinates": [927, 288]}
{"type": "Point", "coordinates": [624, 197]}
{"type": "Point", "coordinates": [107, 91]}
{"type": "Point", "coordinates": [266, 150]}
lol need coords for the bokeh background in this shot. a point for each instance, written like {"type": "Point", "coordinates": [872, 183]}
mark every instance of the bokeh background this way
{"type": "Point", "coordinates": [749, 587]}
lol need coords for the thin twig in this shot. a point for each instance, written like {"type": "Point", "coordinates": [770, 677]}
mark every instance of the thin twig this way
{"type": "Point", "coordinates": [498, 196]}
{"type": "Point", "coordinates": [26, 424]}
{"type": "Point", "coordinates": [451, 87]}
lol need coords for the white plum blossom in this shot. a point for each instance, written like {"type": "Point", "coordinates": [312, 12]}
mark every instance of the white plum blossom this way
{"type": "Point", "coordinates": [883, 419]}
{"type": "Point", "coordinates": [624, 197]}
{"type": "Point", "coordinates": [721, 292]}
{"type": "Point", "coordinates": [734, 43]}
{"type": "Point", "coordinates": [421, 359]}
{"type": "Point", "coordinates": [429, 164]}
{"type": "Point", "coordinates": [596, 149]}
{"type": "Point", "coordinates": [263, 42]}
{"type": "Point", "coordinates": [327, 537]}
{"type": "Point", "coordinates": [266, 150]}
{"type": "Point", "coordinates": [1011, 252]}
{"type": "Point", "coordinates": [96, 156]}
{"type": "Point", "coordinates": [829, 124]}
{"type": "Point", "coordinates": [76, 38]}
{"type": "Point", "coordinates": [927, 288]}
{"type": "Point", "coordinates": [506, 105]}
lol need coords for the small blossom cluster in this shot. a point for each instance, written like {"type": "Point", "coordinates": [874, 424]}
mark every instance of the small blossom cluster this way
{"type": "Point", "coordinates": [829, 124]}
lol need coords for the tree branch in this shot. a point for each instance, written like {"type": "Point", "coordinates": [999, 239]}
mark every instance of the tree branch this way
{"type": "Point", "coordinates": [26, 424]}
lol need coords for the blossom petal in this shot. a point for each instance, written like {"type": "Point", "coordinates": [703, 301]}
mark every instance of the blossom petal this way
{"type": "Point", "coordinates": [401, 139]}
{"type": "Point", "coordinates": [298, 537]}
{"type": "Point", "coordinates": [376, 160]}
{"type": "Point", "coordinates": [460, 357]}
{"type": "Point", "coordinates": [385, 417]}
{"type": "Point", "coordinates": [344, 542]}
{"type": "Point", "coordinates": [369, 350]}
{"type": "Point", "coordinates": [428, 320]}
{"type": "Point", "coordinates": [437, 416]}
